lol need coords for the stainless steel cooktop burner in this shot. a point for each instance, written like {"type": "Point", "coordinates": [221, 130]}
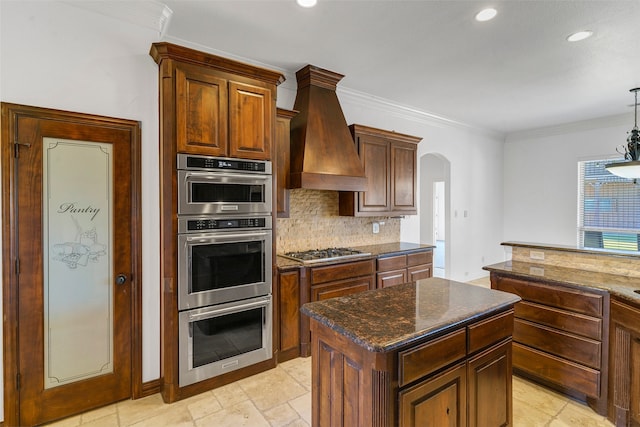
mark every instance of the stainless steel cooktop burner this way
{"type": "Point", "coordinates": [321, 255]}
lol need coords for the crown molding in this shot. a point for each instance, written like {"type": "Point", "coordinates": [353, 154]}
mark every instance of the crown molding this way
{"type": "Point", "coordinates": [572, 127]}
{"type": "Point", "coordinates": [150, 14]}
{"type": "Point", "coordinates": [410, 113]}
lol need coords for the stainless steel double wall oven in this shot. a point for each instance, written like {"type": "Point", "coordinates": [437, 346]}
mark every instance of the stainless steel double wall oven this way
{"type": "Point", "coordinates": [224, 265]}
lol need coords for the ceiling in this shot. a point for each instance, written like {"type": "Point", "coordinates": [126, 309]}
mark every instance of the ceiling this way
{"type": "Point", "coordinates": [512, 73]}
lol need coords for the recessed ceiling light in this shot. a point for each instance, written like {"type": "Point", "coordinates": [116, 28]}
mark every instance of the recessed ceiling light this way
{"type": "Point", "coordinates": [486, 14]}
{"type": "Point", "coordinates": [580, 35]}
{"type": "Point", "coordinates": [306, 3]}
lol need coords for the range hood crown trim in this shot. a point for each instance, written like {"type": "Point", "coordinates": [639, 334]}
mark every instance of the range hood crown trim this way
{"type": "Point", "coordinates": [323, 153]}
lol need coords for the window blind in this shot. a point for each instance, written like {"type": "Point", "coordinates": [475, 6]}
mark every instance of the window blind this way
{"type": "Point", "coordinates": [608, 208]}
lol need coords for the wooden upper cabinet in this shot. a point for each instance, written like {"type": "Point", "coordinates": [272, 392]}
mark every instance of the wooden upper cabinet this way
{"type": "Point", "coordinates": [375, 156]}
{"type": "Point", "coordinates": [282, 160]}
{"type": "Point", "coordinates": [390, 164]}
{"type": "Point", "coordinates": [215, 106]}
{"type": "Point", "coordinates": [404, 177]}
{"type": "Point", "coordinates": [201, 112]}
{"type": "Point", "coordinates": [251, 121]}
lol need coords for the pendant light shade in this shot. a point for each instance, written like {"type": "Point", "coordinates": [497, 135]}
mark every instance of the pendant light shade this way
{"type": "Point", "coordinates": [630, 167]}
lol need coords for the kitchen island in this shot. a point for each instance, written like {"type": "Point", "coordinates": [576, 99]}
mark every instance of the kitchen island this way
{"type": "Point", "coordinates": [431, 352]}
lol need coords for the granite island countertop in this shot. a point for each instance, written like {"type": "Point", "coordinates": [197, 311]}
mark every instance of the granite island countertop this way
{"type": "Point", "coordinates": [386, 319]}
{"type": "Point", "coordinates": [623, 287]}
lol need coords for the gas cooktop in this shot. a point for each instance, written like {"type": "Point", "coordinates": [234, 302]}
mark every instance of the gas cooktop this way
{"type": "Point", "coordinates": [322, 255]}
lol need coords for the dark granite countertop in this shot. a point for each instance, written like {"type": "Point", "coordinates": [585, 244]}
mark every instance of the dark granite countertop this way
{"type": "Point", "coordinates": [574, 249]}
{"type": "Point", "coordinates": [386, 319]}
{"type": "Point", "coordinates": [623, 287]}
{"type": "Point", "coordinates": [395, 248]}
{"type": "Point", "coordinates": [383, 249]}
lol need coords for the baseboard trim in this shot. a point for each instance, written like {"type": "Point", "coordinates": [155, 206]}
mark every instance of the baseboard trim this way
{"type": "Point", "coordinates": [148, 388]}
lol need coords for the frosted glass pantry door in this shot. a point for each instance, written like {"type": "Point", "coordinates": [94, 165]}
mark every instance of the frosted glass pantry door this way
{"type": "Point", "coordinates": [78, 260]}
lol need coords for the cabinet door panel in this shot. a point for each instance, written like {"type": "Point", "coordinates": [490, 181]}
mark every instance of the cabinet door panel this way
{"type": "Point", "coordinates": [201, 113]}
{"type": "Point", "coordinates": [250, 121]}
{"type": "Point", "coordinates": [289, 320]}
{"type": "Point", "coordinates": [441, 401]}
{"type": "Point", "coordinates": [374, 154]}
{"type": "Point", "coordinates": [403, 168]}
{"type": "Point", "coordinates": [624, 365]}
{"type": "Point", "coordinates": [490, 386]}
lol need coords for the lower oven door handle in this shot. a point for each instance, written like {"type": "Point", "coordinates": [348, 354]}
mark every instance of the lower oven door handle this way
{"type": "Point", "coordinates": [226, 310]}
{"type": "Point", "coordinates": [227, 237]}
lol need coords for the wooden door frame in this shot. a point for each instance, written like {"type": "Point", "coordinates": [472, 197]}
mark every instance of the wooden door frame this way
{"type": "Point", "coordinates": [8, 120]}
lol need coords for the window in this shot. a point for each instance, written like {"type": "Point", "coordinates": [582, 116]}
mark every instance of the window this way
{"type": "Point", "coordinates": [608, 208]}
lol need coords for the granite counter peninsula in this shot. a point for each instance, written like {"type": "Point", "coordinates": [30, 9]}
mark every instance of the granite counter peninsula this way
{"type": "Point", "coordinates": [429, 353]}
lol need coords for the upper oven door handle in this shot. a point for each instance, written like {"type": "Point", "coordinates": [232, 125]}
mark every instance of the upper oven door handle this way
{"type": "Point", "coordinates": [223, 177]}
{"type": "Point", "coordinates": [226, 310]}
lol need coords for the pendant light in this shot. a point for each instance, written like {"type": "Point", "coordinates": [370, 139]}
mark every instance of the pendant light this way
{"type": "Point", "coordinates": [630, 167]}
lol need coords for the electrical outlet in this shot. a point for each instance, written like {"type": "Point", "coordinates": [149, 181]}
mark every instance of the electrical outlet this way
{"type": "Point", "coordinates": [376, 227]}
{"type": "Point", "coordinates": [539, 255]}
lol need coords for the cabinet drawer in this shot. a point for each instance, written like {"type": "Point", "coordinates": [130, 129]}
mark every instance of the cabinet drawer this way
{"type": "Point", "coordinates": [490, 331]}
{"type": "Point", "coordinates": [341, 288]}
{"type": "Point", "coordinates": [334, 272]}
{"type": "Point", "coordinates": [574, 348]}
{"type": "Point", "coordinates": [392, 263]}
{"type": "Point", "coordinates": [419, 258]}
{"type": "Point", "coordinates": [579, 324]}
{"type": "Point", "coordinates": [554, 295]}
{"type": "Point", "coordinates": [556, 370]}
{"type": "Point", "coordinates": [422, 360]}
{"type": "Point", "coordinates": [418, 272]}
{"type": "Point", "coordinates": [392, 278]}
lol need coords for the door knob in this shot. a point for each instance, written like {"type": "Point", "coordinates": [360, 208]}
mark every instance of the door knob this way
{"type": "Point", "coordinates": [121, 279]}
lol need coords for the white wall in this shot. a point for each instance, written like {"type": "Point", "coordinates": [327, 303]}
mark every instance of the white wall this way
{"type": "Point", "coordinates": [58, 56]}
{"type": "Point", "coordinates": [541, 176]}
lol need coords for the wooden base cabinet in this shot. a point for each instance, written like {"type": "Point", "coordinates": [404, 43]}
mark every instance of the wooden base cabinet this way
{"type": "Point", "coordinates": [560, 336]}
{"type": "Point", "coordinates": [288, 345]}
{"type": "Point", "coordinates": [624, 365]}
{"type": "Point", "coordinates": [440, 401]}
{"type": "Point", "coordinates": [460, 379]}
{"type": "Point", "coordinates": [331, 281]}
{"type": "Point", "coordinates": [397, 269]}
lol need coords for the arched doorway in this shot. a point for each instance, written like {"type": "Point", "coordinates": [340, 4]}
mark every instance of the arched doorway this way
{"type": "Point", "coordinates": [434, 209]}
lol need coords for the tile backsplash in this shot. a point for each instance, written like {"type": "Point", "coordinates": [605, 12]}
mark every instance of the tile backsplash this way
{"type": "Point", "coordinates": [314, 223]}
{"type": "Point", "coordinates": [603, 263]}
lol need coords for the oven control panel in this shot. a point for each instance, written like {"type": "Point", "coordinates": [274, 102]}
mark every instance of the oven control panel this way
{"type": "Point", "coordinates": [208, 163]}
{"type": "Point", "coordinates": [209, 223]}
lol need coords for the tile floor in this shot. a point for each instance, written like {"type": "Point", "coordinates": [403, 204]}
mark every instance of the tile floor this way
{"type": "Point", "coordinates": [282, 397]}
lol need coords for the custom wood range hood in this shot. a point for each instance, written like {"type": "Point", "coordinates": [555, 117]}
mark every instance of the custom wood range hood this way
{"type": "Point", "coordinates": [323, 154]}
